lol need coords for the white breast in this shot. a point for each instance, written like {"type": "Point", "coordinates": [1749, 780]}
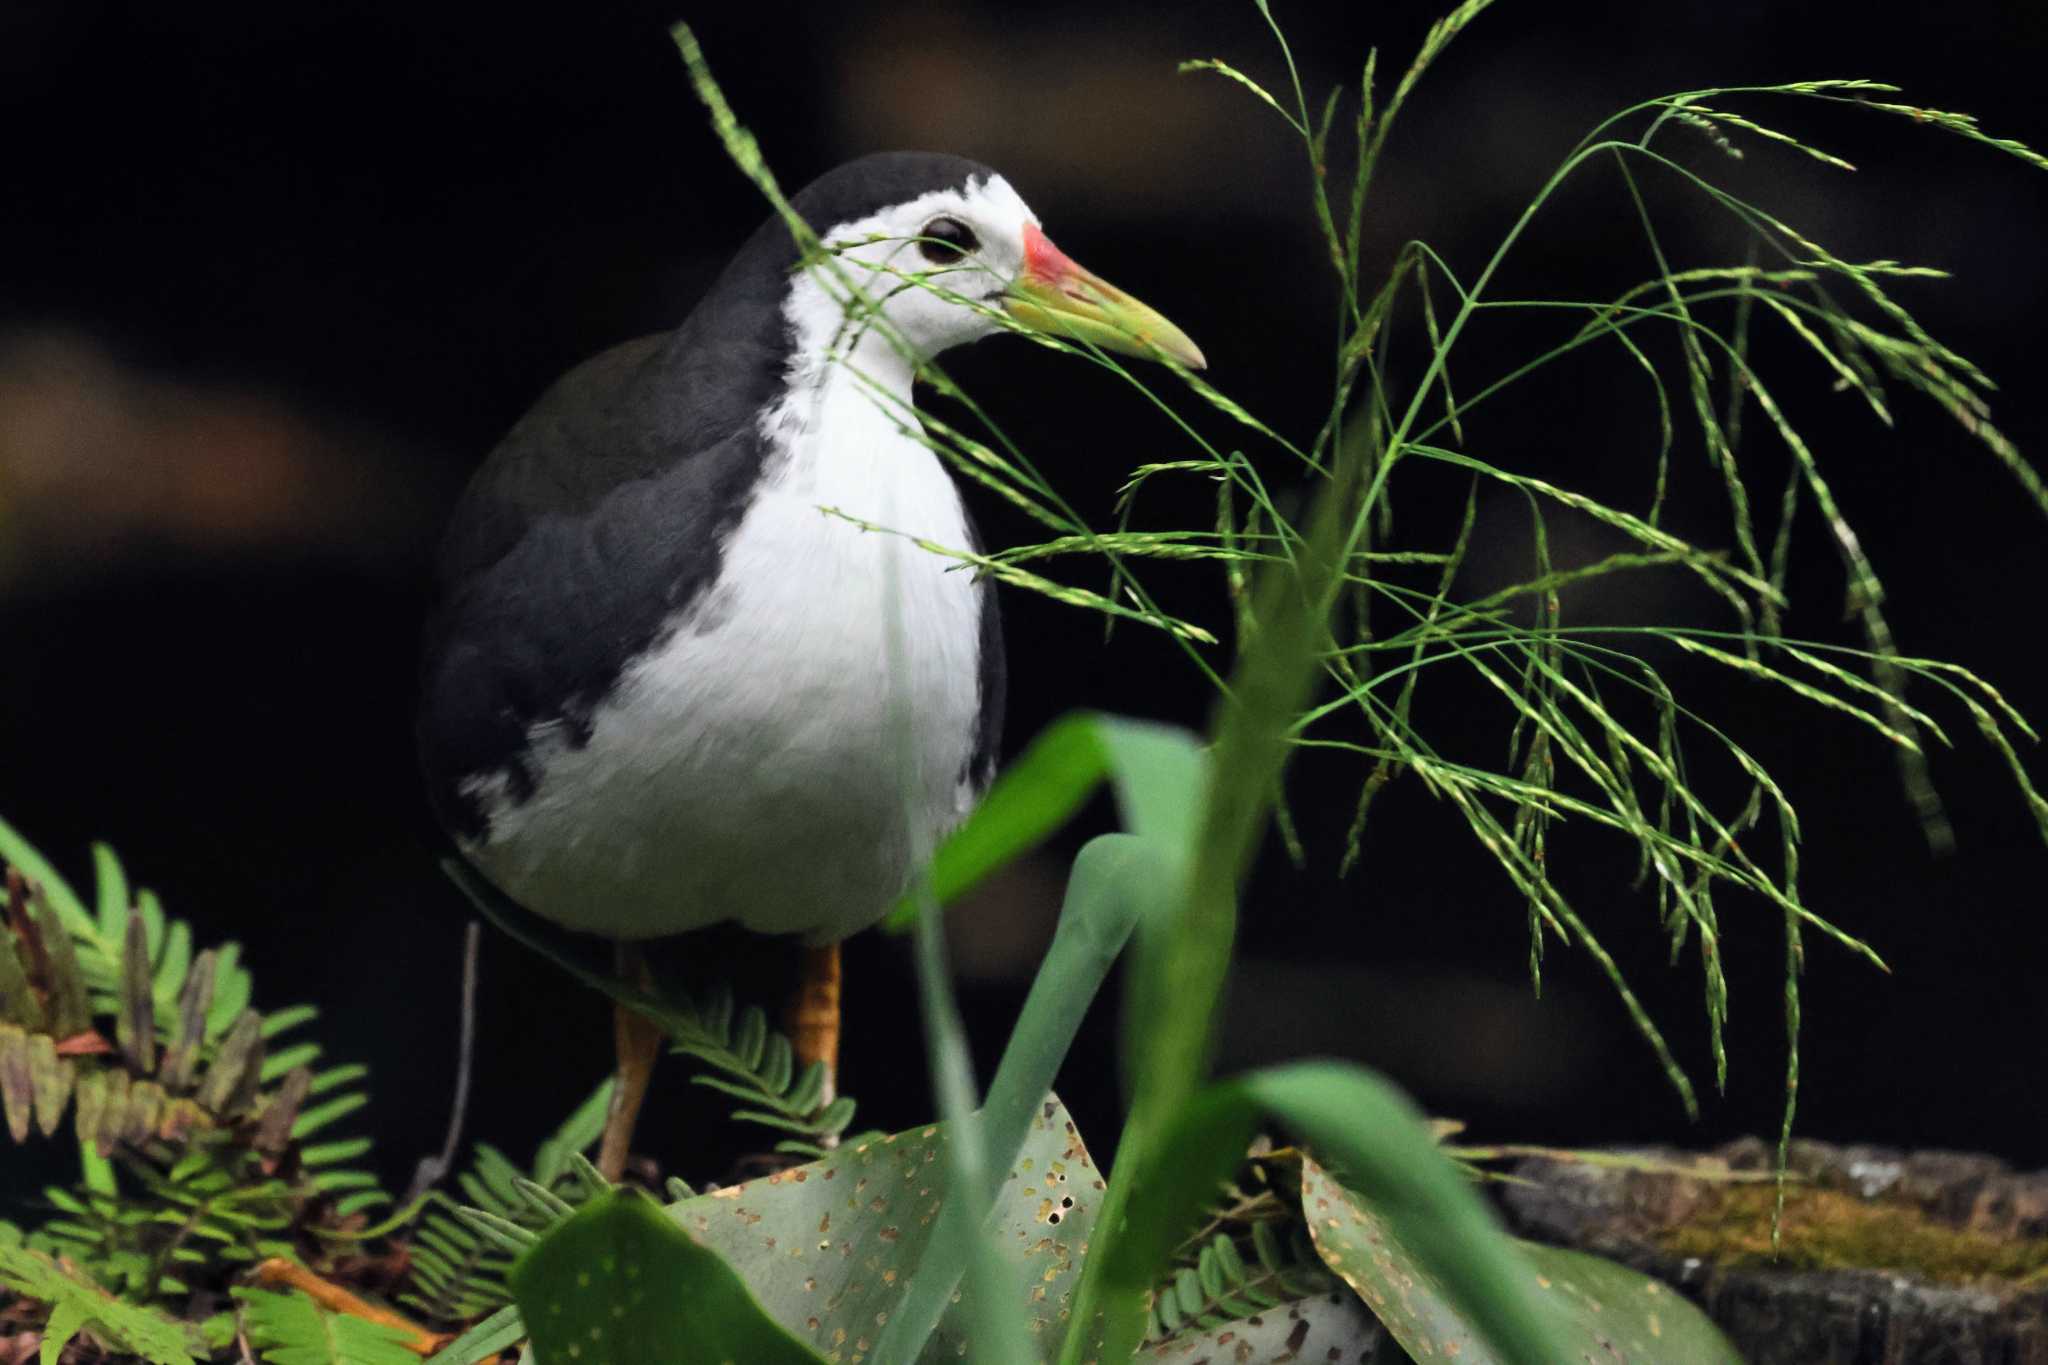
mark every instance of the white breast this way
{"type": "Point", "coordinates": [755, 765]}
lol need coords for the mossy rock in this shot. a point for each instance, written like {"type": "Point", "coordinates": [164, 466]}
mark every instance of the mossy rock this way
{"type": "Point", "coordinates": [1881, 1255]}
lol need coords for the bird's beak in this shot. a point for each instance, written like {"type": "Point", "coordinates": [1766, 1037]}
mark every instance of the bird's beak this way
{"type": "Point", "coordinates": [1054, 293]}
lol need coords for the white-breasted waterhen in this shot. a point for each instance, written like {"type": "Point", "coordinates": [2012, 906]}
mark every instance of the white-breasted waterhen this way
{"type": "Point", "coordinates": [663, 688]}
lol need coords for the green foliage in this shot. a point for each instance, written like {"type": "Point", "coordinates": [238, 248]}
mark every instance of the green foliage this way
{"type": "Point", "coordinates": [1613, 1312]}
{"type": "Point", "coordinates": [1111, 884]}
{"type": "Point", "coordinates": [1219, 1286]}
{"type": "Point", "coordinates": [291, 1329]}
{"type": "Point", "coordinates": [212, 1211]}
{"type": "Point", "coordinates": [1336, 635]}
{"type": "Point", "coordinates": [837, 1246]}
{"type": "Point", "coordinates": [155, 1054]}
{"type": "Point", "coordinates": [618, 1283]}
{"type": "Point", "coordinates": [461, 1251]}
{"type": "Point", "coordinates": [964, 1238]}
{"type": "Point", "coordinates": [1153, 768]}
{"type": "Point", "coordinates": [187, 1053]}
{"type": "Point", "coordinates": [1250, 1256]}
{"type": "Point", "coordinates": [78, 1305]}
{"type": "Point", "coordinates": [757, 1067]}
{"type": "Point", "coordinates": [501, 1331]}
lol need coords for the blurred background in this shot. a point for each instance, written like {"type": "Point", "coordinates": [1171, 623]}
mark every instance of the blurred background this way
{"type": "Point", "coordinates": [274, 278]}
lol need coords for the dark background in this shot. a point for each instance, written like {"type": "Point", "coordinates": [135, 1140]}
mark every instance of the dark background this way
{"type": "Point", "coordinates": [274, 278]}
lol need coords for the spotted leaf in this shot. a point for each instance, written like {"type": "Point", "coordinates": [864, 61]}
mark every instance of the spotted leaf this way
{"type": "Point", "coordinates": [1615, 1315]}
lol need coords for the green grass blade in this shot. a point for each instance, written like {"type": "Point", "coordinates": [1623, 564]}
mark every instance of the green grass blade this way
{"type": "Point", "coordinates": [1114, 879]}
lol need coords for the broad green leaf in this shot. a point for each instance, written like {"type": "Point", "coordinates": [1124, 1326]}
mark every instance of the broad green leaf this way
{"type": "Point", "coordinates": [1157, 771]}
{"type": "Point", "coordinates": [619, 1284]}
{"type": "Point", "coordinates": [1387, 1151]}
{"type": "Point", "coordinates": [1612, 1313]}
{"type": "Point", "coordinates": [291, 1329]}
{"type": "Point", "coordinates": [830, 1247]}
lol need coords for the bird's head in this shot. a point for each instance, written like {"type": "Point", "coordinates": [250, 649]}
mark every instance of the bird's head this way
{"type": "Point", "coordinates": [950, 244]}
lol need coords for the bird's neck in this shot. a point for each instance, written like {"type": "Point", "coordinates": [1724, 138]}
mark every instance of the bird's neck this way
{"type": "Point", "coordinates": [845, 417]}
{"type": "Point", "coordinates": [836, 343]}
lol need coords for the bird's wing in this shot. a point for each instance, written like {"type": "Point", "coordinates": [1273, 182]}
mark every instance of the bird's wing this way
{"type": "Point", "coordinates": [592, 527]}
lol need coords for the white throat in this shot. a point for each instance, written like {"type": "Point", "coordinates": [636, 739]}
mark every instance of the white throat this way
{"type": "Point", "coordinates": [845, 435]}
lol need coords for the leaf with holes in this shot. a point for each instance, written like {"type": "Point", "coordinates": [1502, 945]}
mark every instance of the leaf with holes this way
{"type": "Point", "coordinates": [829, 1247]}
{"type": "Point", "coordinates": [1619, 1316]}
{"type": "Point", "coordinates": [619, 1284]}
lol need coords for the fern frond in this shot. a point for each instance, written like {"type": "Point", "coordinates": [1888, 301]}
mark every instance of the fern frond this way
{"type": "Point", "coordinates": [759, 1067]}
{"type": "Point", "coordinates": [1252, 1254]}
{"type": "Point", "coordinates": [291, 1329]}
{"type": "Point", "coordinates": [192, 1118]}
{"type": "Point", "coordinates": [111, 1016]}
{"type": "Point", "coordinates": [78, 1305]}
{"type": "Point", "coordinates": [461, 1251]}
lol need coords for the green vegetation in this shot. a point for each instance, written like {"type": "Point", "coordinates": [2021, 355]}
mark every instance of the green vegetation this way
{"type": "Point", "coordinates": [990, 1233]}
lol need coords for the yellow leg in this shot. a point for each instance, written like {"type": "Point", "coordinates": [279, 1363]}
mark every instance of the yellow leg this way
{"type": "Point", "coordinates": [814, 1016]}
{"type": "Point", "coordinates": [638, 1041]}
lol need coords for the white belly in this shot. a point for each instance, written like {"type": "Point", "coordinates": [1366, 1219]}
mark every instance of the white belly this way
{"type": "Point", "coordinates": [788, 755]}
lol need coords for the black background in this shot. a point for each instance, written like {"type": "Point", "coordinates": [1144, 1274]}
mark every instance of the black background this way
{"type": "Point", "coordinates": [275, 277]}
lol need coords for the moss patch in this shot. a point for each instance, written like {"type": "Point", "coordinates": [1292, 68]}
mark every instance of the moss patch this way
{"type": "Point", "coordinates": [1828, 1229]}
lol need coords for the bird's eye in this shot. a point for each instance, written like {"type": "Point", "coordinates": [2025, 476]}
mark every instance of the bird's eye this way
{"type": "Point", "coordinates": [944, 240]}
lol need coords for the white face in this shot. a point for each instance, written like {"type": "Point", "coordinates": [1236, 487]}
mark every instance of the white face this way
{"type": "Point", "coordinates": [967, 242]}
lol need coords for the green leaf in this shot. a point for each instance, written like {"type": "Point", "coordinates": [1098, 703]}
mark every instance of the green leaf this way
{"type": "Point", "coordinates": [834, 1247]}
{"type": "Point", "coordinates": [1157, 771]}
{"type": "Point", "coordinates": [1386, 1150]}
{"type": "Point", "coordinates": [17, 850]}
{"type": "Point", "coordinates": [499, 1332]}
{"type": "Point", "coordinates": [619, 1284]}
{"type": "Point", "coordinates": [1182, 958]}
{"type": "Point", "coordinates": [576, 1134]}
{"type": "Point", "coordinates": [1114, 881]}
{"type": "Point", "coordinates": [291, 1329]}
{"type": "Point", "coordinates": [76, 1303]}
{"type": "Point", "coordinates": [1611, 1312]}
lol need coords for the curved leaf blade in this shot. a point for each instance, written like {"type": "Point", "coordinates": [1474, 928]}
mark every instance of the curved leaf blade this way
{"type": "Point", "coordinates": [1158, 772]}
{"type": "Point", "coordinates": [1614, 1313]}
{"type": "Point", "coordinates": [1387, 1151]}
